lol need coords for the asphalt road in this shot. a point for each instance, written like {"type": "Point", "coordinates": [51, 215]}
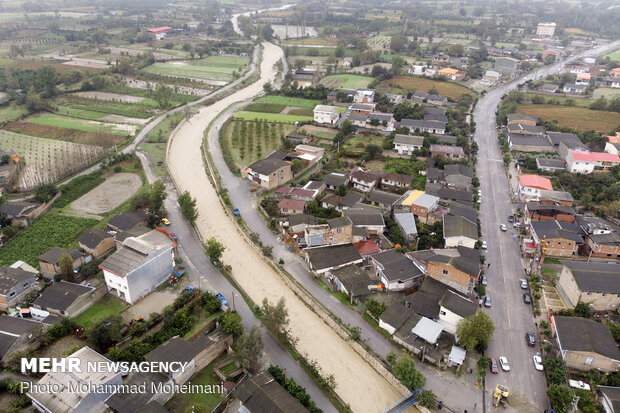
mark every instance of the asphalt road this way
{"type": "Point", "coordinates": [511, 316]}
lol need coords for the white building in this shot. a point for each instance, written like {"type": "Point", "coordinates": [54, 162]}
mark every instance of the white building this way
{"type": "Point", "coordinates": [453, 308]}
{"type": "Point", "coordinates": [582, 162]}
{"type": "Point", "coordinates": [545, 29]}
{"type": "Point", "coordinates": [140, 265]}
{"type": "Point", "coordinates": [324, 114]}
{"type": "Point", "coordinates": [364, 96]}
{"type": "Point", "coordinates": [531, 185]}
{"type": "Point", "coordinates": [406, 144]}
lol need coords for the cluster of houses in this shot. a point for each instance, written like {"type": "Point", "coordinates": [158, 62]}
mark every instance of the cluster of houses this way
{"type": "Point", "coordinates": [525, 135]}
{"type": "Point", "coordinates": [584, 74]}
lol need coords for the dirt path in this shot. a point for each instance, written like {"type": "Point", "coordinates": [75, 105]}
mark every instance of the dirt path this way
{"type": "Point", "coordinates": [357, 382]}
{"type": "Point", "coordinates": [111, 193]}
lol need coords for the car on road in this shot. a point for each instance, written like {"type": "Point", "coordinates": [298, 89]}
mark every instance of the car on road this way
{"type": "Point", "coordinates": [503, 227]}
{"type": "Point", "coordinates": [494, 368]}
{"type": "Point", "coordinates": [487, 301]}
{"type": "Point", "coordinates": [236, 212]}
{"type": "Point", "coordinates": [531, 339]}
{"type": "Point", "coordinates": [527, 298]}
{"type": "Point", "coordinates": [484, 245]}
{"type": "Point", "coordinates": [523, 283]}
{"type": "Point", "coordinates": [538, 362]}
{"type": "Point", "coordinates": [518, 225]}
{"type": "Point", "coordinates": [165, 221]}
{"type": "Point", "coordinates": [511, 218]}
{"type": "Point", "coordinates": [503, 361]}
{"type": "Point", "coordinates": [483, 280]}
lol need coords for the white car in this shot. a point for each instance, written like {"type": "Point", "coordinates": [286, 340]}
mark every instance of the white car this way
{"type": "Point", "coordinates": [479, 193]}
{"type": "Point", "coordinates": [484, 245]}
{"type": "Point", "coordinates": [504, 363]}
{"type": "Point", "coordinates": [503, 227]}
{"type": "Point", "coordinates": [538, 362]}
{"type": "Point", "coordinates": [523, 283]}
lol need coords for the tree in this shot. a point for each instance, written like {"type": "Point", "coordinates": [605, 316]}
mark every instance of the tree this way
{"type": "Point", "coordinates": [214, 249]}
{"type": "Point", "coordinates": [583, 310]}
{"type": "Point", "coordinates": [66, 267]}
{"type": "Point", "coordinates": [267, 32]}
{"type": "Point", "coordinates": [296, 165]}
{"type": "Point", "coordinates": [45, 192]}
{"type": "Point", "coordinates": [560, 398]}
{"type": "Point", "coordinates": [163, 95]}
{"type": "Point", "coordinates": [249, 350]}
{"type": "Point", "coordinates": [427, 399]}
{"type": "Point", "coordinates": [406, 372]}
{"type": "Point", "coordinates": [475, 331]}
{"type": "Point", "coordinates": [47, 77]}
{"type": "Point", "coordinates": [373, 151]}
{"type": "Point", "coordinates": [555, 368]}
{"type": "Point", "coordinates": [275, 317]}
{"type": "Point", "coordinates": [188, 207]}
{"type": "Point", "coordinates": [157, 196]}
{"type": "Point", "coordinates": [299, 64]}
{"type": "Point", "coordinates": [346, 128]}
{"type": "Point", "coordinates": [231, 323]}
{"type": "Point", "coordinates": [210, 303]}
{"type": "Point", "coordinates": [106, 333]}
{"type": "Point", "coordinates": [375, 308]}
{"type": "Point", "coordinates": [341, 190]}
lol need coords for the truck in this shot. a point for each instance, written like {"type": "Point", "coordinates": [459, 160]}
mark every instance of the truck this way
{"type": "Point", "coordinates": [177, 273]}
{"type": "Point", "coordinates": [223, 301]}
{"type": "Point", "coordinates": [500, 396]}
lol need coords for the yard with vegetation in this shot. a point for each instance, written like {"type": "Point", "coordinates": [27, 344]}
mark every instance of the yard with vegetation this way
{"type": "Point", "coordinates": [358, 143]}
{"type": "Point", "coordinates": [106, 306]}
{"type": "Point", "coordinates": [46, 232]}
{"type": "Point", "coordinates": [405, 84]}
{"type": "Point", "coordinates": [245, 142]}
{"type": "Point", "coordinates": [211, 68]}
{"type": "Point", "coordinates": [196, 402]}
{"type": "Point", "coordinates": [156, 153]}
{"type": "Point", "coordinates": [582, 119]}
{"type": "Point", "coordinates": [78, 187]}
{"type": "Point", "coordinates": [80, 124]}
{"type": "Point", "coordinates": [346, 81]}
{"type": "Point", "coordinates": [10, 113]}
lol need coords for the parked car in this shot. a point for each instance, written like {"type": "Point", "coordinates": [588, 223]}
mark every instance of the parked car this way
{"type": "Point", "coordinates": [503, 361]}
{"type": "Point", "coordinates": [494, 368]}
{"type": "Point", "coordinates": [165, 221]}
{"type": "Point", "coordinates": [483, 280]}
{"type": "Point", "coordinates": [484, 245]}
{"type": "Point", "coordinates": [511, 218]}
{"type": "Point", "coordinates": [527, 298]}
{"type": "Point", "coordinates": [523, 283]}
{"type": "Point", "coordinates": [503, 227]}
{"type": "Point", "coordinates": [487, 301]}
{"type": "Point", "coordinates": [538, 362]}
{"type": "Point", "coordinates": [531, 339]}
{"type": "Point", "coordinates": [518, 225]}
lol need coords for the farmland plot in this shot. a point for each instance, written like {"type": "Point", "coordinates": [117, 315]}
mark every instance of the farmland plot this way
{"type": "Point", "coordinates": [193, 71]}
{"type": "Point", "coordinates": [82, 124]}
{"type": "Point", "coordinates": [98, 138]}
{"type": "Point", "coordinates": [47, 160]}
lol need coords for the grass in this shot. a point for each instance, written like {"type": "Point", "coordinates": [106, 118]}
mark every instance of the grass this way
{"type": "Point", "coordinates": [108, 305]}
{"type": "Point", "coordinates": [198, 402]}
{"type": "Point", "coordinates": [358, 143]}
{"type": "Point", "coordinates": [197, 70]}
{"type": "Point", "coordinates": [161, 132]}
{"type": "Point", "coordinates": [271, 117]}
{"type": "Point", "coordinates": [342, 297]}
{"type": "Point", "coordinates": [289, 101]}
{"type": "Point", "coordinates": [156, 152]}
{"type": "Point", "coordinates": [226, 61]}
{"type": "Point", "coordinates": [614, 56]}
{"type": "Point", "coordinates": [346, 81]}
{"type": "Point", "coordinates": [229, 368]}
{"type": "Point", "coordinates": [80, 113]}
{"type": "Point", "coordinates": [74, 123]}
{"type": "Point", "coordinates": [265, 107]}
{"type": "Point", "coordinates": [582, 119]}
{"type": "Point", "coordinates": [10, 113]}
{"type": "Point", "coordinates": [421, 84]}
{"type": "Point", "coordinates": [78, 187]}
{"type": "Point", "coordinates": [606, 92]}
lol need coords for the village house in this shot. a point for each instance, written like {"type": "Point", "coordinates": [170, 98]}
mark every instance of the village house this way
{"type": "Point", "coordinates": [583, 79]}
{"type": "Point", "coordinates": [15, 284]}
{"type": "Point", "coordinates": [453, 307]}
{"type": "Point", "coordinates": [20, 213]}
{"type": "Point", "coordinates": [49, 261]}
{"type": "Point", "coordinates": [545, 29]}
{"type": "Point", "coordinates": [406, 223]}
{"type": "Point", "coordinates": [586, 344]}
{"type": "Point", "coordinates": [613, 148]}
{"type": "Point", "coordinates": [395, 99]}
{"type": "Point", "coordinates": [492, 76]}
{"type": "Point", "coordinates": [269, 173]}
{"type": "Point", "coordinates": [418, 203]}
{"type": "Point", "coordinates": [323, 259]}
{"type": "Point", "coordinates": [289, 206]}
{"type": "Point", "coordinates": [445, 151]}
{"type": "Point", "coordinates": [458, 176]}
{"type": "Point", "coordinates": [311, 154]}
{"type": "Point", "coordinates": [335, 179]}
{"type": "Point", "coordinates": [325, 115]}
{"type": "Point", "coordinates": [594, 283]}
{"type": "Point", "coordinates": [520, 129]}
{"type": "Point", "coordinates": [450, 194]}
{"type": "Point", "coordinates": [303, 75]}
{"type": "Point", "coordinates": [459, 231]}
{"type": "Point", "coordinates": [557, 238]}
{"type": "Point", "coordinates": [395, 270]}
{"type": "Point", "coordinates": [531, 185]}
{"type": "Point", "coordinates": [549, 87]}
{"type": "Point", "coordinates": [83, 400]}
{"type": "Point", "coordinates": [365, 180]}
{"type": "Point", "coordinates": [436, 100]}
{"type": "Point", "coordinates": [521, 119]}
{"type": "Point", "coordinates": [127, 220]}
{"type": "Point", "coordinates": [96, 242]}
{"type": "Point", "coordinates": [380, 121]}
{"type": "Point", "coordinates": [382, 199]}
{"type": "Point", "coordinates": [507, 66]}
{"type": "Point", "coordinates": [261, 393]}
{"type": "Point", "coordinates": [602, 239]}
{"type": "Point", "coordinates": [609, 398]}
{"type": "Point", "coordinates": [369, 218]}
{"type": "Point", "coordinates": [317, 187]}
{"type": "Point", "coordinates": [451, 73]}
{"type": "Point", "coordinates": [430, 126]}
{"type": "Point", "coordinates": [529, 143]}
{"type": "Point", "coordinates": [159, 33]}
{"type": "Point", "coordinates": [362, 108]}
{"type": "Point", "coordinates": [555, 197]}
{"type": "Point", "coordinates": [63, 299]}
{"type": "Point", "coordinates": [364, 96]}
{"type": "Point", "coordinates": [140, 265]}
{"type": "Point", "coordinates": [573, 89]}
{"type": "Point", "coordinates": [550, 164]}
{"type": "Point", "coordinates": [563, 142]}
{"type": "Point", "coordinates": [406, 144]}
{"type": "Point", "coordinates": [336, 231]}
{"type": "Point", "coordinates": [537, 211]}
{"type": "Point", "coordinates": [296, 138]}
{"type": "Point", "coordinates": [294, 193]}
{"type": "Point", "coordinates": [588, 162]}
{"type": "Point", "coordinates": [457, 268]}
{"type": "Point", "coordinates": [393, 179]}
{"type": "Point", "coordinates": [17, 335]}
{"type": "Point", "coordinates": [352, 280]}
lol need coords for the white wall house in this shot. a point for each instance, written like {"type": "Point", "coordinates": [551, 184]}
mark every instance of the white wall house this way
{"type": "Point", "coordinates": [453, 308]}
{"type": "Point", "coordinates": [140, 265]}
{"type": "Point", "coordinates": [406, 144]}
{"type": "Point", "coordinates": [324, 114]}
{"type": "Point", "coordinates": [583, 162]}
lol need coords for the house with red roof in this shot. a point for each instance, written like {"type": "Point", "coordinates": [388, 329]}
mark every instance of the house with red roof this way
{"type": "Point", "coordinates": [289, 206]}
{"type": "Point", "coordinates": [367, 247]}
{"type": "Point", "coordinates": [582, 162]}
{"type": "Point", "coordinates": [158, 33]}
{"type": "Point", "coordinates": [531, 185]}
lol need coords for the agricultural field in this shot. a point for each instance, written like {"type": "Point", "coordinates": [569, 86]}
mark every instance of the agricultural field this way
{"type": "Point", "coordinates": [10, 113]}
{"type": "Point", "coordinates": [582, 119]}
{"type": "Point", "coordinates": [48, 160]}
{"type": "Point", "coordinates": [83, 125]}
{"type": "Point", "coordinates": [614, 56]}
{"type": "Point", "coordinates": [289, 101]}
{"type": "Point", "coordinates": [272, 117]}
{"type": "Point", "coordinates": [107, 196]}
{"type": "Point", "coordinates": [246, 141]}
{"type": "Point", "coordinates": [46, 232]}
{"type": "Point", "coordinates": [346, 81]}
{"type": "Point", "coordinates": [358, 143]}
{"type": "Point", "coordinates": [161, 132]}
{"type": "Point", "coordinates": [78, 187]}
{"type": "Point", "coordinates": [607, 93]}
{"type": "Point", "coordinates": [406, 84]}
{"type": "Point", "coordinates": [98, 138]}
{"type": "Point", "coordinates": [211, 68]}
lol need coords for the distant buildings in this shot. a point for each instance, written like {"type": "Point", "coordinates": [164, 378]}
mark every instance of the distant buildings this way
{"type": "Point", "coordinates": [325, 115]}
{"type": "Point", "coordinates": [545, 29]}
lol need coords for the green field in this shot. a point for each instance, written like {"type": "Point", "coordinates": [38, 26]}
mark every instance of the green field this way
{"type": "Point", "coordinates": [78, 124]}
{"type": "Point", "coordinates": [10, 113]}
{"type": "Point", "coordinates": [226, 61]}
{"type": "Point", "coordinates": [287, 101]}
{"type": "Point", "coordinates": [156, 152]}
{"type": "Point", "coordinates": [582, 119]}
{"type": "Point", "coordinates": [358, 143]}
{"type": "Point", "coordinates": [422, 84]}
{"type": "Point", "coordinates": [80, 113]}
{"type": "Point", "coordinates": [78, 187]}
{"type": "Point", "coordinates": [346, 81]}
{"type": "Point", "coordinates": [161, 132]}
{"type": "Point", "coordinates": [245, 142]}
{"type": "Point", "coordinates": [614, 56]}
{"type": "Point", "coordinates": [271, 117]}
{"type": "Point", "coordinates": [211, 68]}
{"type": "Point", "coordinates": [108, 305]}
{"type": "Point", "coordinates": [46, 232]}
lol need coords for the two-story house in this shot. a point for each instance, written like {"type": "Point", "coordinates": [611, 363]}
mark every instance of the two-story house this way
{"type": "Point", "coordinates": [594, 283]}
{"type": "Point", "coordinates": [15, 284]}
{"type": "Point", "coordinates": [395, 270]}
{"type": "Point", "coordinates": [325, 115]}
{"type": "Point", "coordinates": [365, 180]}
{"type": "Point", "coordinates": [269, 173]}
{"type": "Point", "coordinates": [406, 144]}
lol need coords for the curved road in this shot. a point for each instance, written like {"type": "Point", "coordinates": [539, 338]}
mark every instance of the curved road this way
{"type": "Point", "coordinates": [512, 318]}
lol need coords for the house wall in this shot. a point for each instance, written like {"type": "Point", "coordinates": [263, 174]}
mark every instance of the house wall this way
{"type": "Point", "coordinates": [451, 277]}
{"type": "Point", "coordinates": [47, 270]}
{"type": "Point", "coordinates": [559, 247]}
{"type": "Point", "coordinates": [535, 216]}
{"type": "Point", "coordinates": [568, 286]}
{"type": "Point", "coordinates": [419, 211]}
{"type": "Point", "coordinates": [396, 285]}
{"type": "Point", "coordinates": [457, 241]}
{"type": "Point", "coordinates": [19, 291]}
{"type": "Point", "coordinates": [325, 117]}
{"type": "Point", "coordinates": [386, 327]}
{"type": "Point", "coordinates": [287, 211]}
{"type": "Point", "coordinates": [580, 167]}
{"type": "Point", "coordinates": [104, 246]}
{"type": "Point", "coordinates": [448, 320]}
{"type": "Point", "coordinates": [83, 302]}
{"type": "Point", "coordinates": [587, 361]}
{"type": "Point", "coordinates": [602, 250]}
{"type": "Point", "coordinates": [211, 353]}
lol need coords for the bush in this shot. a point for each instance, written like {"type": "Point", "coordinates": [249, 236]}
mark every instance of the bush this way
{"type": "Point", "coordinates": [293, 388]}
{"type": "Point", "coordinates": [375, 308]}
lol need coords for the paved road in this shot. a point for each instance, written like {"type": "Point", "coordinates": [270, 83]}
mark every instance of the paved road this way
{"type": "Point", "coordinates": [511, 316]}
